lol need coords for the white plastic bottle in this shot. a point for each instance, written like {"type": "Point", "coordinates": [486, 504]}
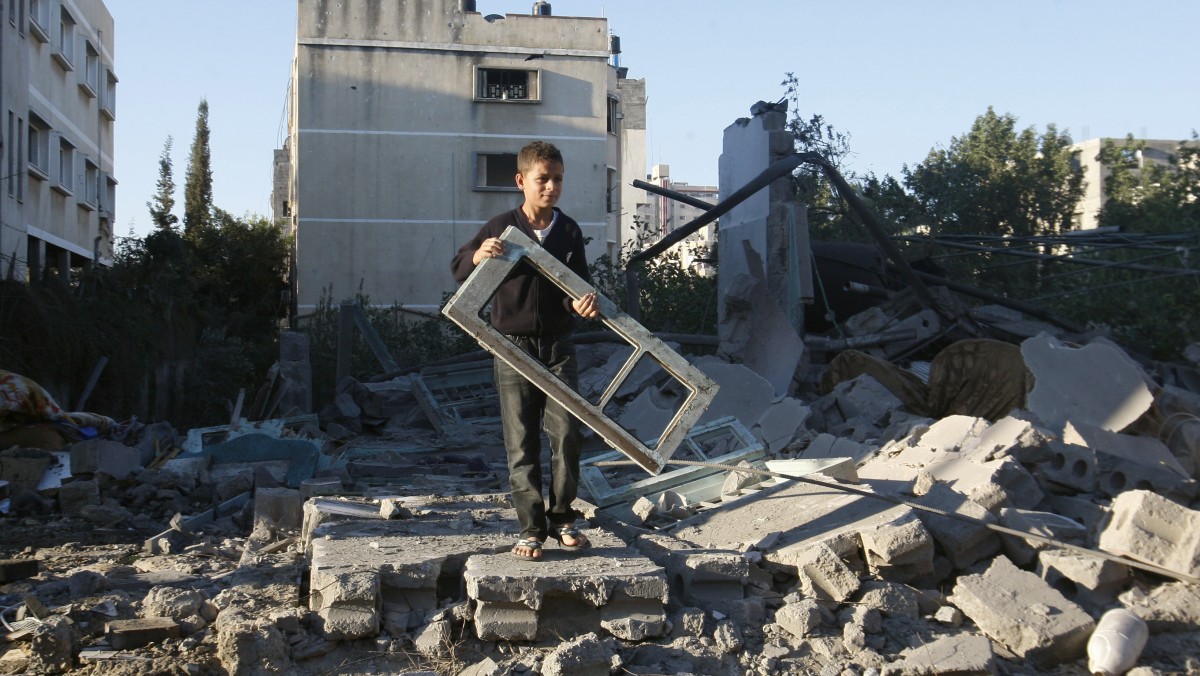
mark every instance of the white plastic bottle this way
{"type": "Point", "coordinates": [1116, 643]}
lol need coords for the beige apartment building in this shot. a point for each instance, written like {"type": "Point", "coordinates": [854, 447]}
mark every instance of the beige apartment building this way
{"type": "Point", "coordinates": [58, 101]}
{"type": "Point", "coordinates": [406, 118]}
{"type": "Point", "coordinates": [662, 215]}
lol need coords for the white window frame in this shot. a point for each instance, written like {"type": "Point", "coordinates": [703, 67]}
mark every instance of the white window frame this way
{"type": "Point", "coordinates": [39, 19]}
{"type": "Point", "coordinates": [89, 78]}
{"type": "Point", "coordinates": [108, 98]}
{"type": "Point", "coordinates": [64, 174]}
{"type": "Point", "coordinates": [482, 172]}
{"type": "Point", "coordinates": [39, 147]}
{"type": "Point", "coordinates": [500, 92]}
{"type": "Point", "coordinates": [90, 195]}
{"type": "Point", "coordinates": [64, 40]}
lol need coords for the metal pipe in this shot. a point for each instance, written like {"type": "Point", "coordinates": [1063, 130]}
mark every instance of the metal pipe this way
{"type": "Point", "coordinates": [667, 192]}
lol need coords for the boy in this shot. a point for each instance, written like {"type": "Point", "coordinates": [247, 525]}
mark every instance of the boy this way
{"type": "Point", "coordinates": [538, 317]}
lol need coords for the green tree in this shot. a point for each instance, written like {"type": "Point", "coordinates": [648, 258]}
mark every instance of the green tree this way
{"type": "Point", "coordinates": [163, 202]}
{"type": "Point", "coordinates": [999, 183]}
{"type": "Point", "coordinates": [1152, 197]}
{"type": "Point", "coordinates": [197, 187]}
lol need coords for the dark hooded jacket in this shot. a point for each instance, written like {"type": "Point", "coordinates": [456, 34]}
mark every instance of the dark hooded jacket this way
{"type": "Point", "coordinates": [527, 304]}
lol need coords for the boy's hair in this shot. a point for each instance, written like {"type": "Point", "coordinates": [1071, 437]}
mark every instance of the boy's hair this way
{"type": "Point", "coordinates": [537, 151]}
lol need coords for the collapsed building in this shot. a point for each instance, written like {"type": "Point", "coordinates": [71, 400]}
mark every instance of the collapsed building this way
{"type": "Point", "coordinates": [787, 503]}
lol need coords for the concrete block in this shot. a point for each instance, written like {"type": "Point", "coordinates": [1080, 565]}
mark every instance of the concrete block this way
{"type": "Point", "coordinates": [634, 619]}
{"type": "Point", "coordinates": [12, 570]}
{"type": "Point", "coordinates": [830, 446]}
{"type": "Point", "coordinates": [800, 619]}
{"type": "Point", "coordinates": [434, 639]}
{"type": "Point", "coordinates": [74, 496]}
{"type": "Point", "coordinates": [890, 598]}
{"type": "Point", "coordinates": [861, 398]}
{"type": "Point", "coordinates": [465, 306]}
{"type": "Point", "coordinates": [1097, 384]}
{"type": "Point", "coordinates": [965, 654]}
{"type": "Point", "coordinates": [117, 460]}
{"type": "Point", "coordinates": [900, 546]}
{"type": "Point", "coordinates": [1126, 461]}
{"type": "Point", "coordinates": [583, 656]}
{"type": "Point", "coordinates": [278, 508]}
{"type": "Point", "coordinates": [1069, 572]}
{"type": "Point", "coordinates": [823, 575]}
{"type": "Point", "coordinates": [129, 634]}
{"type": "Point", "coordinates": [962, 542]}
{"type": "Point", "coordinates": [1023, 613]}
{"type": "Point", "coordinates": [505, 621]}
{"type": "Point", "coordinates": [1150, 528]}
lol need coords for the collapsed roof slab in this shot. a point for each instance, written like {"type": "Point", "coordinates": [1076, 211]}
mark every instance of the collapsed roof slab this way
{"type": "Point", "coordinates": [466, 309]}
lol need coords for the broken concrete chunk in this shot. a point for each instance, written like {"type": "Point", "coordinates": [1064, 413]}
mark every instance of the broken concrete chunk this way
{"type": "Point", "coordinates": [1023, 613]}
{"type": "Point", "coordinates": [900, 549]}
{"type": "Point", "coordinates": [963, 542]}
{"type": "Point", "coordinates": [735, 481]}
{"type": "Point", "coordinates": [800, 619]}
{"type": "Point", "coordinates": [781, 424]}
{"type": "Point", "coordinates": [1150, 528]}
{"type": "Point", "coordinates": [1023, 551]}
{"type": "Point", "coordinates": [744, 394]}
{"type": "Point", "coordinates": [890, 598]}
{"type": "Point", "coordinates": [1097, 384]}
{"type": "Point", "coordinates": [823, 575]}
{"type": "Point", "coordinates": [964, 654]}
{"type": "Point", "coordinates": [861, 400]}
{"type": "Point", "coordinates": [587, 655]}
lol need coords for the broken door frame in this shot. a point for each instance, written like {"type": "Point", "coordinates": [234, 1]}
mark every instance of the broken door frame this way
{"type": "Point", "coordinates": [467, 304]}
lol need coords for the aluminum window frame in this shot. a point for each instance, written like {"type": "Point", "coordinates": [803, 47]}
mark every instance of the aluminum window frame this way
{"type": "Point", "coordinates": [466, 306]}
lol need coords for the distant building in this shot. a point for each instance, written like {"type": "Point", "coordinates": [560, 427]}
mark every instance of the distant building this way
{"type": "Point", "coordinates": [1087, 213]}
{"type": "Point", "coordinates": [663, 215]}
{"type": "Point", "coordinates": [58, 93]}
{"type": "Point", "coordinates": [405, 123]}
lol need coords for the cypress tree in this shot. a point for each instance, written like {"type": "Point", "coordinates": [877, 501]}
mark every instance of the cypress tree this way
{"type": "Point", "coordinates": [197, 187]}
{"type": "Point", "coordinates": [164, 199]}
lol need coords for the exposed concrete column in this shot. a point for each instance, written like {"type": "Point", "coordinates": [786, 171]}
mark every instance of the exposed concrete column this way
{"type": "Point", "coordinates": [771, 218]}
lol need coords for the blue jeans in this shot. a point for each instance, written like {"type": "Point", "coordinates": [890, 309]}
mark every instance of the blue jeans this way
{"type": "Point", "coordinates": [524, 410]}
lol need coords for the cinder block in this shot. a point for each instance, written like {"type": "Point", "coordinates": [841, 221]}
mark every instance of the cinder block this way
{"type": "Point", "coordinates": [129, 634]}
{"type": "Point", "coordinates": [632, 619]}
{"type": "Point", "coordinates": [1070, 465]}
{"type": "Point", "coordinates": [505, 621]}
{"type": "Point", "coordinates": [1150, 528]}
{"type": "Point", "coordinates": [346, 602]}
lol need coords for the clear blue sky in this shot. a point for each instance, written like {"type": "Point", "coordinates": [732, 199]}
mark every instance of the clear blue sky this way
{"type": "Point", "coordinates": [900, 77]}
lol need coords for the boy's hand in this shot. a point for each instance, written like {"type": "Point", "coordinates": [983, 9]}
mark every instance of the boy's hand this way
{"type": "Point", "coordinates": [586, 306]}
{"type": "Point", "coordinates": [490, 248]}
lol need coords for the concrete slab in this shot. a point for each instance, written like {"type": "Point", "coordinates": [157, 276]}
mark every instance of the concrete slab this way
{"type": "Point", "coordinates": [363, 567]}
{"type": "Point", "coordinates": [962, 542]}
{"type": "Point", "coordinates": [1097, 384]}
{"type": "Point", "coordinates": [1023, 613]}
{"type": "Point", "coordinates": [781, 423]}
{"type": "Point", "coordinates": [965, 654]}
{"type": "Point", "coordinates": [608, 587]}
{"type": "Point", "coordinates": [1046, 524]}
{"type": "Point", "coordinates": [744, 394]}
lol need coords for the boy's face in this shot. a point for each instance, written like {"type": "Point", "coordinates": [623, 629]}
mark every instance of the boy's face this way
{"type": "Point", "coordinates": [542, 184]}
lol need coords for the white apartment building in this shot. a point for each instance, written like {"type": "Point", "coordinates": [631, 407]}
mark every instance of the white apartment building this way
{"type": "Point", "coordinates": [405, 123]}
{"type": "Point", "coordinates": [58, 99]}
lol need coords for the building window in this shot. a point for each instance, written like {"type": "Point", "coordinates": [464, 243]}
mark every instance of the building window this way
{"type": "Point", "coordinates": [496, 171]}
{"type": "Point", "coordinates": [613, 194]}
{"type": "Point", "coordinates": [613, 115]}
{"type": "Point", "coordinates": [108, 101]}
{"type": "Point", "coordinates": [64, 46]}
{"type": "Point", "coordinates": [90, 80]}
{"type": "Point", "coordinates": [16, 15]}
{"type": "Point", "coordinates": [507, 84]}
{"type": "Point", "coordinates": [39, 147]}
{"type": "Point", "coordinates": [12, 159]}
{"type": "Point", "coordinates": [110, 197]}
{"type": "Point", "coordinates": [91, 185]}
{"type": "Point", "coordinates": [64, 177]}
{"type": "Point", "coordinates": [39, 19]}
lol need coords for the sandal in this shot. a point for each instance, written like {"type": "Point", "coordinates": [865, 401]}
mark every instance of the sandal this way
{"type": "Point", "coordinates": [534, 546]}
{"type": "Point", "coordinates": [569, 530]}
